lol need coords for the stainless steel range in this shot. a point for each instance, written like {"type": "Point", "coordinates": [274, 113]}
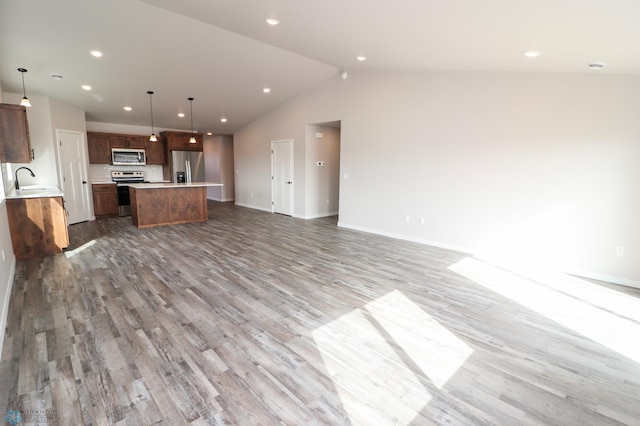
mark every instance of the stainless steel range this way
{"type": "Point", "coordinates": [122, 178]}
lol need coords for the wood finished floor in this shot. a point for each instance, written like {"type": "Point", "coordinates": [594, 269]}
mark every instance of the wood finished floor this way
{"type": "Point", "coordinates": [260, 319]}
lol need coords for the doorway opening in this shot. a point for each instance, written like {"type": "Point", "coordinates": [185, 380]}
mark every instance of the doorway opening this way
{"type": "Point", "coordinates": [322, 169]}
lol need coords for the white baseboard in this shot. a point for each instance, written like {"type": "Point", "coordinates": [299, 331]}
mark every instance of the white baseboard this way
{"type": "Point", "coordinates": [463, 250]}
{"type": "Point", "coordinates": [319, 215]}
{"type": "Point", "coordinates": [221, 200]}
{"type": "Point", "coordinates": [466, 250]}
{"type": "Point", "coordinates": [249, 206]}
{"type": "Point", "coordinates": [4, 312]}
{"type": "Point", "coordinates": [607, 278]}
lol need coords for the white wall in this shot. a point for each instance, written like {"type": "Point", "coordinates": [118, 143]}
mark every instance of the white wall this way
{"type": "Point", "coordinates": [218, 151]}
{"type": "Point", "coordinates": [322, 182]}
{"type": "Point", "coordinates": [540, 166]}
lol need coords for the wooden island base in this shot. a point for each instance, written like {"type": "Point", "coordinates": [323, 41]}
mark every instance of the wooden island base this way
{"type": "Point", "coordinates": [166, 206]}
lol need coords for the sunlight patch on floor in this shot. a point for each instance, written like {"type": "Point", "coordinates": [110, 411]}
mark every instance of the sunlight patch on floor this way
{"type": "Point", "coordinates": [436, 351]}
{"type": "Point", "coordinates": [594, 312]}
{"type": "Point", "coordinates": [363, 366]}
{"type": "Point", "coordinates": [71, 253]}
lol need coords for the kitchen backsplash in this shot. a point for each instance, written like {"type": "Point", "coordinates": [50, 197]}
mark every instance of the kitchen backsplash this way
{"type": "Point", "coordinates": [100, 173]}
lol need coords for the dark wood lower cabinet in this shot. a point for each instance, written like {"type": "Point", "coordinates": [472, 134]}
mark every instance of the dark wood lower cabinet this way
{"type": "Point", "coordinates": [166, 206]}
{"type": "Point", "coordinates": [105, 199]}
{"type": "Point", "coordinates": [38, 226]}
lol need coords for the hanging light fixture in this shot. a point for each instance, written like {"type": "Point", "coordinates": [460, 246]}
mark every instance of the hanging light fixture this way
{"type": "Point", "coordinates": [25, 101]}
{"type": "Point", "coordinates": [192, 139]}
{"type": "Point", "coordinates": [153, 137]}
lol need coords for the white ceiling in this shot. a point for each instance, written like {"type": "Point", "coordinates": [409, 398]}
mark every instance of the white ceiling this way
{"type": "Point", "coordinates": [222, 52]}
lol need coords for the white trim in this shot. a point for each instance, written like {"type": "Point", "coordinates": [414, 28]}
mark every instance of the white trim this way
{"type": "Point", "coordinates": [4, 313]}
{"type": "Point", "coordinates": [249, 206]}
{"type": "Point", "coordinates": [607, 278]}
{"type": "Point", "coordinates": [464, 250]}
{"type": "Point", "coordinates": [220, 199]}
{"type": "Point", "coordinates": [319, 215]}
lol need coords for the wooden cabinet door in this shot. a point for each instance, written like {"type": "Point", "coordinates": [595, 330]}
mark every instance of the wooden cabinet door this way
{"type": "Point", "coordinates": [137, 142]}
{"type": "Point", "coordinates": [15, 145]}
{"type": "Point", "coordinates": [155, 151]}
{"type": "Point", "coordinates": [38, 226]}
{"type": "Point", "coordinates": [179, 141]}
{"type": "Point", "coordinates": [105, 199]}
{"type": "Point", "coordinates": [99, 147]}
{"type": "Point", "coordinates": [127, 141]}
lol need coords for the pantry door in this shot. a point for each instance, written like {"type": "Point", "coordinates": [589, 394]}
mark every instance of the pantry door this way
{"type": "Point", "coordinates": [282, 176]}
{"type": "Point", "coordinates": [73, 175]}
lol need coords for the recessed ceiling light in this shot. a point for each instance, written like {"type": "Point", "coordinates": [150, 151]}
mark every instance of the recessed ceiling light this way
{"type": "Point", "coordinates": [266, 90]}
{"type": "Point", "coordinates": [596, 65]}
{"type": "Point", "coordinates": [209, 133]}
{"type": "Point", "coordinates": [127, 108]}
{"type": "Point", "coordinates": [181, 114]}
{"type": "Point", "coordinates": [56, 76]}
{"type": "Point", "coordinates": [96, 53]}
{"type": "Point", "coordinates": [532, 53]}
{"type": "Point", "coordinates": [272, 21]}
{"type": "Point", "coordinates": [223, 119]}
{"type": "Point", "coordinates": [361, 58]}
{"type": "Point", "coordinates": [86, 87]}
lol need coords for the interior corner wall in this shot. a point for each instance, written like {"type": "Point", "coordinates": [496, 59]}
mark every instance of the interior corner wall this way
{"type": "Point", "coordinates": [529, 166]}
{"type": "Point", "coordinates": [218, 152]}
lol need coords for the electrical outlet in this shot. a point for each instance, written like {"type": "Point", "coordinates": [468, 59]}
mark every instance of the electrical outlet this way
{"type": "Point", "coordinates": [3, 255]}
{"type": "Point", "coordinates": [422, 221]}
{"type": "Point", "coordinates": [620, 251]}
{"type": "Point", "coordinates": [407, 218]}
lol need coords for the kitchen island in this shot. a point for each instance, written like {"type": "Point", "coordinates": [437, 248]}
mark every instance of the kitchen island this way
{"type": "Point", "coordinates": [155, 204]}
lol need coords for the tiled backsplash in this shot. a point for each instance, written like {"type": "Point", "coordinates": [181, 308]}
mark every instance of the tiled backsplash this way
{"type": "Point", "coordinates": [102, 172]}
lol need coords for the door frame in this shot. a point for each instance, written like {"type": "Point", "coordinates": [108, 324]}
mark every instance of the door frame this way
{"type": "Point", "coordinates": [86, 192]}
{"type": "Point", "coordinates": [273, 174]}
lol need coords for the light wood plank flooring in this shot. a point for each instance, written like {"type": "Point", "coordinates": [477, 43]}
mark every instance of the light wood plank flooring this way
{"type": "Point", "coordinates": [259, 319]}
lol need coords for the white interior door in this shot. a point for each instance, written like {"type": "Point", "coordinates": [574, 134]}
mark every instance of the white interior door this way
{"type": "Point", "coordinates": [282, 176]}
{"type": "Point", "coordinates": [73, 175]}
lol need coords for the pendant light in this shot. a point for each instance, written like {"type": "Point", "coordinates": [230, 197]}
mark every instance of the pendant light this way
{"type": "Point", "coordinates": [25, 101]}
{"type": "Point", "coordinates": [192, 139]}
{"type": "Point", "coordinates": [153, 137]}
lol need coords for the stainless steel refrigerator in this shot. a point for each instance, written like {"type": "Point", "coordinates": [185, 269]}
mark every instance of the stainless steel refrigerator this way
{"type": "Point", "coordinates": [187, 164]}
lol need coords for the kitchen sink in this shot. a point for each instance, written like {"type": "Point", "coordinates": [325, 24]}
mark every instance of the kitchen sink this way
{"type": "Point", "coordinates": [30, 191]}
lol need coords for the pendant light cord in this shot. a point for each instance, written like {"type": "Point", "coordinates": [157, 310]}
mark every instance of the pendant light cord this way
{"type": "Point", "coordinates": [191, 103]}
{"type": "Point", "coordinates": [151, 108]}
{"type": "Point", "coordinates": [24, 91]}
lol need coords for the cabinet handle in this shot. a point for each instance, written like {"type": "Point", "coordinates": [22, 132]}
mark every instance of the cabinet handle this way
{"type": "Point", "coordinates": [33, 154]}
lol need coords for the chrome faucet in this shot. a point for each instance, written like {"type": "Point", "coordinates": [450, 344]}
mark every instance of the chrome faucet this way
{"type": "Point", "coordinates": [16, 175]}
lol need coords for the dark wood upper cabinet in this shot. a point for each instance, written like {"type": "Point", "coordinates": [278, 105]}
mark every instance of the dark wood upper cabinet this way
{"type": "Point", "coordinates": [179, 141]}
{"type": "Point", "coordinates": [128, 141]}
{"type": "Point", "coordinates": [99, 145]}
{"type": "Point", "coordinates": [155, 151]}
{"type": "Point", "coordinates": [15, 145]}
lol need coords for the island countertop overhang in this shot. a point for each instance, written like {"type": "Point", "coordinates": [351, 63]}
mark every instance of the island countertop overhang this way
{"type": "Point", "coordinates": [171, 185]}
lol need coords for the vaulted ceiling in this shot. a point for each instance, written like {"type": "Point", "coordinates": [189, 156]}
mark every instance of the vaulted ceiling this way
{"type": "Point", "coordinates": [223, 53]}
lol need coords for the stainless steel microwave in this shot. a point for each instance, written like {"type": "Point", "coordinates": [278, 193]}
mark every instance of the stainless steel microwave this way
{"type": "Point", "coordinates": [128, 157]}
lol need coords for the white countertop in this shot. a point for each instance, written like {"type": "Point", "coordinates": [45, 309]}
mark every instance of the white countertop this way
{"type": "Point", "coordinates": [171, 185]}
{"type": "Point", "coordinates": [35, 191]}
